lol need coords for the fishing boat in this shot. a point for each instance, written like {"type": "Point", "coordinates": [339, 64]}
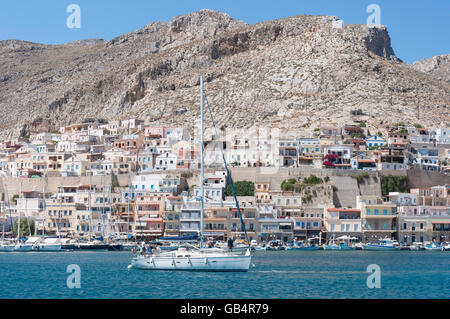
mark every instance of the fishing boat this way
{"type": "Point", "coordinates": [191, 258]}
{"type": "Point", "coordinates": [341, 243]}
{"type": "Point", "coordinates": [432, 247]}
{"type": "Point", "coordinates": [445, 246]}
{"type": "Point", "coordinates": [383, 244]}
{"type": "Point", "coordinates": [275, 245]}
{"type": "Point", "coordinates": [416, 246]}
{"type": "Point", "coordinates": [309, 244]}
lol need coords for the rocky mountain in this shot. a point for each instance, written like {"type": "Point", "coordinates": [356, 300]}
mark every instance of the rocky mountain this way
{"type": "Point", "coordinates": [437, 66]}
{"type": "Point", "coordinates": [294, 73]}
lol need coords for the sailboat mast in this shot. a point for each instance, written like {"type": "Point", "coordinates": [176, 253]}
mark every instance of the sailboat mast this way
{"type": "Point", "coordinates": [128, 201]}
{"type": "Point", "coordinates": [18, 210]}
{"type": "Point", "coordinates": [202, 183]}
{"type": "Point", "coordinates": [43, 205]}
{"type": "Point", "coordinates": [3, 220]}
{"type": "Point", "coordinates": [89, 200]}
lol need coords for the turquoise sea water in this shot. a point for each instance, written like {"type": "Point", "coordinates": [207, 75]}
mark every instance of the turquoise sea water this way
{"type": "Point", "coordinates": [284, 274]}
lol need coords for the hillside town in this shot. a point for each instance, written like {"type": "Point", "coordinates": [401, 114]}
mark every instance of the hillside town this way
{"type": "Point", "coordinates": [127, 179]}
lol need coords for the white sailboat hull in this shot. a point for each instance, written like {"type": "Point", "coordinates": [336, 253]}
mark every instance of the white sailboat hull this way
{"type": "Point", "coordinates": [23, 247]}
{"type": "Point", "coordinates": [48, 247]}
{"type": "Point", "coordinates": [197, 263]}
{"type": "Point", "coordinates": [6, 248]}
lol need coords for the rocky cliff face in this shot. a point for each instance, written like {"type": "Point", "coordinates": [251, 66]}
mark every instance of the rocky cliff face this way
{"type": "Point", "coordinates": [437, 66]}
{"type": "Point", "coordinates": [293, 73]}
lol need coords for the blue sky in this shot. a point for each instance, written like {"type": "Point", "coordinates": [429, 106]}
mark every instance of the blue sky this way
{"type": "Point", "coordinates": [418, 28]}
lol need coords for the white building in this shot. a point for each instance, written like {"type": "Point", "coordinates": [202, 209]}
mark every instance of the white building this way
{"type": "Point", "coordinates": [443, 135]}
{"type": "Point", "coordinates": [338, 24]}
{"type": "Point", "coordinates": [403, 199]}
{"type": "Point", "coordinates": [375, 141]}
{"type": "Point", "coordinates": [165, 162]}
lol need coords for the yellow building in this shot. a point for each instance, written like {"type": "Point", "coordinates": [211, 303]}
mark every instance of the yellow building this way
{"type": "Point", "coordinates": [378, 218]}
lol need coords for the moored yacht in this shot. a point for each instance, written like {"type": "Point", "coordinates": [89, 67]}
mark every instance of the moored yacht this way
{"type": "Point", "coordinates": [382, 244]}
{"type": "Point", "coordinates": [28, 245]}
{"type": "Point", "coordinates": [7, 246]}
{"type": "Point", "coordinates": [48, 244]}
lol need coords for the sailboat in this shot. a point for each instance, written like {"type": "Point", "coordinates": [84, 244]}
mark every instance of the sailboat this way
{"type": "Point", "coordinates": [5, 246]}
{"type": "Point", "coordinates": [192, 258]}
{"type": "Point", "coordinates": [49, 243]}
{"type": "Point", "coordinates": [28, 245]}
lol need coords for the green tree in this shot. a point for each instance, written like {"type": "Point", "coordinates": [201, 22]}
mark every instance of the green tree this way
{"type": "Point", "coordinates": [391, 183]}
{"type": "Point", "coordinates": [288, 185]}
{"type": "Point", "coordinates": [312, 180]}
{"type": "Point", "coordinates": [24, 230]}
{"type": "Point", "coordinates": [242, 188]}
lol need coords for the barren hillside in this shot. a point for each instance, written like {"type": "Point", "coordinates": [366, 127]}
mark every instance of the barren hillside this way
{"type": "Point", "coordinates": [294, 73]}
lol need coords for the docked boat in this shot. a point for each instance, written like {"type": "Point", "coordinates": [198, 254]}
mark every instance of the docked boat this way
{"type": "Point", "coordinates": [7, 246]}
{"type": "Point", "coordinates": [445, 246]}
{"type": "Point", "coordinates": [91, 245]}
{"type": "Point", "coordinates": [275, 245]}
{"type": "Point", "coordinates": [416, 246]}
{"type": "Point", "coordinates": [128, 246]}
{"type": "Point", "coordinates": [310, 244]}
{"type": "Point", "coordinates": [432, 247]}
{"type": "Point", "coordinates": [341, 243]}
{"type": "Point", "coordinates": [383, 244]}
{"type": "Point", "coordinates": [191, 258]}
{"type": "Point", "coordinates": [48, 244]}
{"type": "Point", "coordinates": [115, 247]}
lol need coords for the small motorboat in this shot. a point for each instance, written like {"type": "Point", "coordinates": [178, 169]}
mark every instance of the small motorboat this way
{"type": "Point", "coordinates": [341, 243]}
{"type": "Point", "coordinates": [382, 245]}
{"type": "Point", "coordinates": [275, 245]}
{"type": "Point", "coordinates": [416, 246]}
{"type": "Point", "coordinates": [432, 247]}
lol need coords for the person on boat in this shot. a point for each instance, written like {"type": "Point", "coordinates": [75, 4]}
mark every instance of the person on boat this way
{"type": "Point", "coordinates": [158, 249]}
{"type": "Point", "coordinates": [230, 244]}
